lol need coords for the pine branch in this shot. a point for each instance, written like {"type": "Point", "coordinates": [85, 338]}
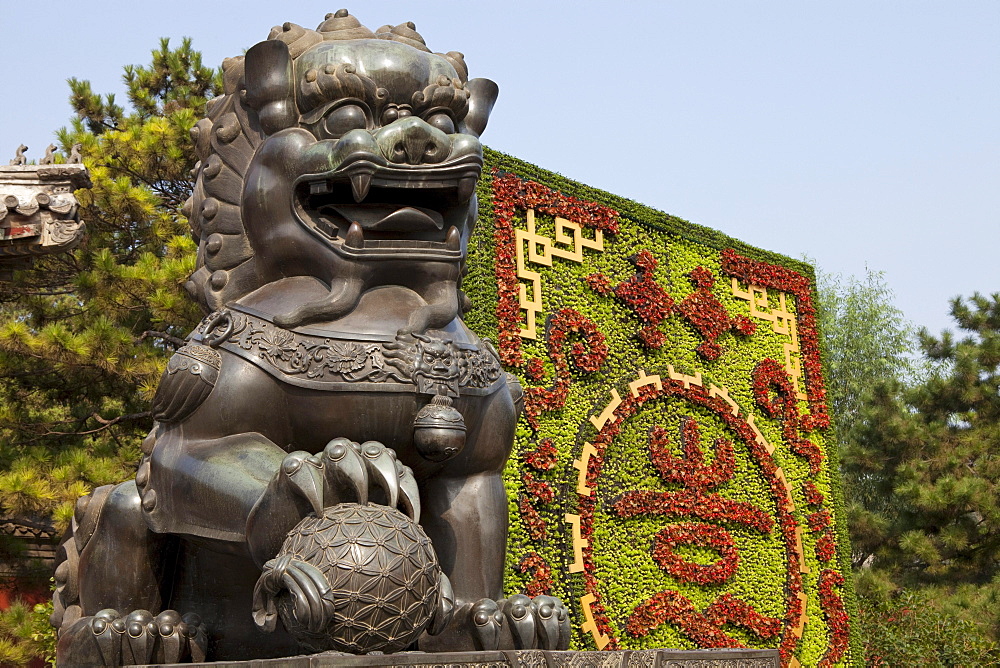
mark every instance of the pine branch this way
{"type": "Point", "coordinates": [176, 341]}
{"type": "Point", "coordinates": [46, 293]}
{"type": "Point", "coordinates": [158, 185]}
{"type": "Point", "coordinates": [105, 424]}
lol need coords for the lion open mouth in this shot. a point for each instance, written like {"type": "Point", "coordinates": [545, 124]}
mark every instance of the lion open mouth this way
{"type": "Point", "coordinates": [379, 212]}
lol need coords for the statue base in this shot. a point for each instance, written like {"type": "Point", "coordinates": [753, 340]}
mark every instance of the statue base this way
{"type": "Point", "coordinates": [650, 658]}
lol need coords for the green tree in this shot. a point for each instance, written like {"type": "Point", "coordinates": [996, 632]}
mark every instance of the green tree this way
{"type": "Point", "coordinates": [84, 336]}
{"type": "Point", "coordinates": [916, 436]}
{"type": "Point", "coordinates": [868, 344]}
{"type": "Point", "coordinates": [25, 634]}
{"type": "Point", "coordinates": [929, 451]}
{"type": "Point", "coordinates": [941, 438]}
{"type": "Point", "coordinates": [909, 630]}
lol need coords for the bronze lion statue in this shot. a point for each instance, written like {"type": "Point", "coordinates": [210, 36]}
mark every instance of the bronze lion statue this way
{"type": "Point", "coordinates": [332, 430]}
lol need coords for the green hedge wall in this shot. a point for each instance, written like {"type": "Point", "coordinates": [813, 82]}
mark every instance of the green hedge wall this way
{"type": "Point", "coordinates": [709, 511]}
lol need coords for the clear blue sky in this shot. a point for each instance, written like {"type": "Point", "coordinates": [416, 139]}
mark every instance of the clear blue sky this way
{"type": "Point", "coordinates": [863, 134]}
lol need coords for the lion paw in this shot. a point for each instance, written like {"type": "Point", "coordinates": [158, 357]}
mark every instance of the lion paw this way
{"type": "Point", "coordinates": [344, 472]}
{"type": "Point", "coordinates": [349, 472]}
{"type": "Point", "coordinates": [541, 622]}
{"type": "Point", "coordinates": [136, 638]}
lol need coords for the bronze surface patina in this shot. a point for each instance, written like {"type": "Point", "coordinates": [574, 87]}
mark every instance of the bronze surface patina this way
{"type": "Point", "coordinates": [324, 470]}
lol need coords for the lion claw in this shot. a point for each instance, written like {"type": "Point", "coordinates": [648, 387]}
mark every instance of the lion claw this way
{"type": "Point", "coordinates": [314, 601]}
{"type": "Point", "coordinates": [518, 613]}
{"type": "Point", "coordinates": [541, 622]}
{"type": "Point", "coordinates": [305, 474]}
{"type": "Point", "coordinates": [553, 624]}
{"type": "Point", "coordinates": [445, 607]}
{"type": "Point", "coordinates": [381, 462]}
{"type": "Point", "coordinates": [346, 472]}
{"type": "Point", "coordinates": [142, 638]}
{"type": "Point", "coordinates": [487, 621]}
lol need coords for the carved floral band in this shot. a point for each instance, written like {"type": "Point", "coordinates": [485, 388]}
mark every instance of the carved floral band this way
{"type": "Point", "coordinates": [412, 362]}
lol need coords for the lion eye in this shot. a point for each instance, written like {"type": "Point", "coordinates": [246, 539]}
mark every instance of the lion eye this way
{"type": "Point", "coordinates": [394, 112]}
{"type": "Point", "coordinates": [443, 123]}
{"type": "Point", "coordinates": [344, 119]}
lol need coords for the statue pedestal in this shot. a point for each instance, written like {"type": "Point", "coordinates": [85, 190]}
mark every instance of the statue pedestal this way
{"type": "Point", "coordinates": [651, 658]}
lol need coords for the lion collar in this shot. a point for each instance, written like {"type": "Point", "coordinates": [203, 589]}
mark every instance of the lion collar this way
{"type": "Point", "coordinates": [335, 361]}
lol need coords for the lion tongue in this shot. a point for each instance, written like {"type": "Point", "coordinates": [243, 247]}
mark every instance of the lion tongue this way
{"type": "Point", "coordinates": [388, 217]}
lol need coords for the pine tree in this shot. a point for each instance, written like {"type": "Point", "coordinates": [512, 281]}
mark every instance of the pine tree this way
{"type": "Point", "coordinates": [944, 437]}
{"type": "Point", "coordinates": [931, 455]}
{"type": "Point", "coordinates": [84, 336]}
{"type": "Point", "coordinates": [25, 635]}
{"type": "Point", "coordinates": [916, 438]}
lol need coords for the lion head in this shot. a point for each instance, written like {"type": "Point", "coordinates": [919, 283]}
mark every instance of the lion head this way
{"type": "Point", "coordinates": [345, 155]}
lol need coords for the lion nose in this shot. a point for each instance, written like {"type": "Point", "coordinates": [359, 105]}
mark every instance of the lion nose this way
{"type": "Point", "coordinates": [412, 141]}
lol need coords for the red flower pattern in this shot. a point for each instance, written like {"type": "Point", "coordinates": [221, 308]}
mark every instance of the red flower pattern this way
{"type": "Point", "coordinates": [599, 283]}
{"type": "Point", "coordinates": [770, 374]}
{"type": "Point", "coordinates": [536, 525]}
{"type": "Point", "coordinates": [586, 358]}
{"type": "Point", "coordinates": [650, 302]}
{"type": "Point", "coordinates": [652, 305]}
{"type": "Point", "coordinates": [826, 547]}
{"type": "Point", "coordinates": [539, 489]}
{"type": "Point", "coordinates": [701, 535]}
{"type": "Point", "coordinates": [691, 470]}
{"type": "Point", "coordinates": [541, 578]}
{"type": "Point", "coordinates": [814, 497]}
{"type": "Point", "coordinates": [708, 316]}
{"type": "Point", "coordinates": [779, 278]}
{"type": "Point", "coordinates": [511, 193]}
{"type": "Point", "coordinates": [692, 503]}
{"type": "Point", "coordinates": [836, 617]}
{"type": "Point", "coordinates": [819, 520]}
{"type": "Point", "coordinates": [703, 628]}
{"type": "Point", "coordinates": [670, 606]}
{"type": "Point", "coordinates": [544, 457]}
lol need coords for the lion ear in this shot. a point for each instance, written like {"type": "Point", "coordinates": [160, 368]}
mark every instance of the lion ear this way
{"type": "Point", "coordinates": [270, 89]}
{"type": "Point", "coordinates": [483, 95]}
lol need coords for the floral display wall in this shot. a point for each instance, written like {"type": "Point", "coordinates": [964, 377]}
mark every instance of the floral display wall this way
{"type": "Point", "coordinates": [674, 477]}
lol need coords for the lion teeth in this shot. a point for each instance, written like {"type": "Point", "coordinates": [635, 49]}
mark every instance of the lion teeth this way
{"type": "Point", "coordinates": [454, 239]}
{"type": "Point", "coordinates": [355, 237]}
{"type": "Point", "coordinates": [359, 186]}
{"type": "Point", "coordinates": [319, 188]}
{"type": "Point", "coordinates": [466, 187]}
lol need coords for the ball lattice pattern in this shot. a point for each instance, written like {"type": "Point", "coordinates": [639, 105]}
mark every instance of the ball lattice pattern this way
{"type": "Point", "coordinates": [383, 573]}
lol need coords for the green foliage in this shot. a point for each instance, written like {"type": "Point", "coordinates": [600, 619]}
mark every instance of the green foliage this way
{"type": "Point", "coordinates": [912, 629]}
{"type": "Point", "coordinates": [868, 341]}
{"type": "Point", "coordinates": [937, 443]}
{"type": "Point", "coordinates": [868, 345]}
{"type": "Point", "coordinates": [919, 442]}
{"type": "Point", "coordinates": [620, 549]}
{"type": "Point", "coordinates": [25, 634]}
{"type": "Point", "coordinates": [84, 336]}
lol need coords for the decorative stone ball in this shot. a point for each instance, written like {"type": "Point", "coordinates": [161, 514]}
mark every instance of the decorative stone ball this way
{"type": "Point", "coordinates": [383, 574]}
